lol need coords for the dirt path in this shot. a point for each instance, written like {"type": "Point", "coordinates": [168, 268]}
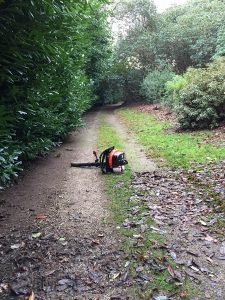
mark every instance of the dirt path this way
{"type": "Point", "coordinates": [56, 238]}
{"type": "Point", "coordinates": [137, 158]}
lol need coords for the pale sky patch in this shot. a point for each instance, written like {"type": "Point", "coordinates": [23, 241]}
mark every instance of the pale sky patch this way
{"type": "Point", "coordinates": [164, 4]}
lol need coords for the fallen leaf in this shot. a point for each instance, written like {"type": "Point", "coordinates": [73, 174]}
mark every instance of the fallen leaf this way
{"type": "Point", "coordinates": [95, 242]}
{"type": "Point", "coordinates": [125, 276]}
{"type": "Point", "coordinates": [49, 272]}
{"type": "Point", "coordinates": [202, 222]}
{"type": "Point", "coordinates": [41, 217]}
{"type": "Point", "coordinates": [194, 269]}
{"type": "Point", "coordinates": [101, 235]}
{"type": "Point", "coordinates": [161, 298]}
{"type": "Point", "coordinates": [36, 235]}
{"type": "Point", "coordinates": [222, 249]}
{"type": "Point", "coordinates": [3, 287]}
{"type": "Point", "coordinates": [127, 264]}
{"type": "Point", "coordinates": [32, 296]}
{"type": "Point", "coordinates": [157, 229]}
{"type": "Point", "coordinates": [17, 246]}
{"type": "Point", "coordinates": [66, 281]}
{"type": "Point", "coordinates": [144, 277]}
{"type": "Point", "coordinates": [208, 238]}
{"type": "Point", "coordinates": [138, 236]}
{"type": "Point", "coordinates": [184, 294]}
{"type": "Point", "coordinates": [115, 276]}
{"type": "Point", "coordinates": [171, 271]}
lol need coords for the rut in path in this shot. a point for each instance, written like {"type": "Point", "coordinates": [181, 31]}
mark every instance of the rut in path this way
{"type": "Point", "coordinates": [56, 238]}
{"type": "Point", "coordinates": [137, 158]}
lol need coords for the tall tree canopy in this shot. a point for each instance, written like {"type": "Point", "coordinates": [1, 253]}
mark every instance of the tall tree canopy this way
{"type": "Point", "coordinates": [152, 48]}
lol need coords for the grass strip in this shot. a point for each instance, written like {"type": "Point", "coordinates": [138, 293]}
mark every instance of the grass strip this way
{"type": "Point", "coordinates": [150, 245]}
{"type": "Point", "coordinates": [176, 149]}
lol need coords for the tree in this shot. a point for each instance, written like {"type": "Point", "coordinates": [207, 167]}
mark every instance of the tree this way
{"type": "Point", "coordinates": [187, 34]}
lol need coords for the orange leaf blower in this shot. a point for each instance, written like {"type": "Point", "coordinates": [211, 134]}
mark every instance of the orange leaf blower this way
{"type": "Point", "coordinates": [111, 160]}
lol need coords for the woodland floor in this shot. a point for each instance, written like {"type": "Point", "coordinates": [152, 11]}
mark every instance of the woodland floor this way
{"type": "Point", "coordinates": [58, 240]}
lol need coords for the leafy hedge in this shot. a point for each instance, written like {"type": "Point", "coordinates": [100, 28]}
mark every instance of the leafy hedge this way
{"type": "Point", "coordinates": [46, 50]}
{"type": "Point", "coordinates": [202, 101]}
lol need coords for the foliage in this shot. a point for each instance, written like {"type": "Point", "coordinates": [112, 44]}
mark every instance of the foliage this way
{"type": "Point", "coordinates": [153, 85]}
{"type": "Point", "coordinates": [9, 164]}
{"type": "Point", "coordinates": [220, 49]}
{"type": "Point", "coordinates": [202, 101]}
{"type": "Point", "coordinates": [122, 82]}
{"type": "Point", "coordinates": [183, 36]}
{"type": "Point", "coordinates": [177, 149]}
{"type": "Point", "coordinates": [173, 88]}
{"type": "Point", "coordinates": [52, 56]}
{"type": "Point", "coordinates": [187, 34]}
{"type": "Point", "coordinates": [134, 19]}
{"type": "Point", "coordinates": [132, 14]}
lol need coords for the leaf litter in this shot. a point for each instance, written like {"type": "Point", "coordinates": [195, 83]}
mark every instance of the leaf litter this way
{"type": "Point", "coordinates": [186, 206]}
{"type": "Point", "coordinates": [45, 260]}
{"type": "Point", "coordinates": [45, 267]}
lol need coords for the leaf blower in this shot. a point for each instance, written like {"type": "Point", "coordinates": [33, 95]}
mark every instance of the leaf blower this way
{"type": "Point", "coordinates": [110, 161]}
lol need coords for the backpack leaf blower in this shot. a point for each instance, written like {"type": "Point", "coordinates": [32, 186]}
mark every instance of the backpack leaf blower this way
{"type": "Point", "coordinates": [110, 161]}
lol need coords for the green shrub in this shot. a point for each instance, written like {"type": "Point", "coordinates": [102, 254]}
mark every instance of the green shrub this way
{"type": "Point", "coordinates": [153, 85]}
{"type": "Point", "coordinates": [202, 101]}
{"type": "Point", "coordinates": [10, 164]}
{"type": "Point", "coordinates": [51, 54]}
{"type": "Point", "coordinates": [173, 88]}
{"type": "Point", "coordinates": [220, 49]}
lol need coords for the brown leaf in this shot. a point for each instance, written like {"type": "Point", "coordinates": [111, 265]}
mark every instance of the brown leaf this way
{"type": "Point", "coordinates": [184, 294]}
{"type": "Point", "coordinates": [143, 256]}
{"type": "Point", "coordinates": [50, 272]}
{"type": "Point", "coordinates": [95, 242]}
{"type": "Point", "coordinates": [208, 238]}
{"type": "Point", "coordinates": [32, 296]}
{"type": "Point", "coordinates": [171, 271]}
{"type": "Point", "coordinates": [41, 217]}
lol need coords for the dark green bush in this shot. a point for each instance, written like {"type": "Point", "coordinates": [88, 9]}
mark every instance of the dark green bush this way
{"type": "Point", "coordinates": [51, 53]}
{"type": "Point", "coordinates": [122, 82]}
{"type": "Point", "coordinates": [153, 85]}
{"type": "Point", "coordinates": [172, 90]}
{"type": "Point", "coordinates": [202, 101]}
{"type": "Point", "coordinates": [220, 49]}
